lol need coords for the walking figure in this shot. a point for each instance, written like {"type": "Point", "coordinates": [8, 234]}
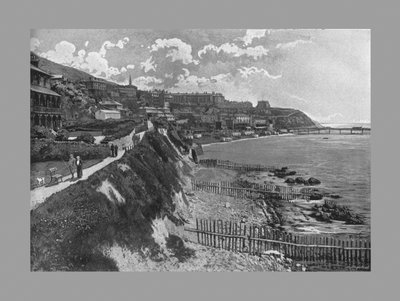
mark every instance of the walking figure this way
{"type": "Point", "coordinates": [71, 165]}
{"type": "Point", "coordinates": [112, 150]}
{"type": "Point", "coordinates": [79, 164]}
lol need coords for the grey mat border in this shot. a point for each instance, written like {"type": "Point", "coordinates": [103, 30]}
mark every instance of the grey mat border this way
{"type": "Point", "coordinates": [17, 17]}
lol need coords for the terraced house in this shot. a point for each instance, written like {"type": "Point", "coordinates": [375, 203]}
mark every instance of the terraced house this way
{"type": "Point", "coordinates": [45, 103]}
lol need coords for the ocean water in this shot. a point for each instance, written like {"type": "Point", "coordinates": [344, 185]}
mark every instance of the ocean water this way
{"type": "Point", "coordinates": [341, 162]}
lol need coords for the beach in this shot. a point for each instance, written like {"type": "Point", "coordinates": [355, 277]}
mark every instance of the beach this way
{"type": "Point", "coordinates": [342, 163]}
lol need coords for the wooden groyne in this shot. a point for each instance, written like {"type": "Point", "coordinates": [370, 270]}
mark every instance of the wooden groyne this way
{"type": "Point", "coordinates": [320, 250]}
{"type": "Point", "coordinates": [254, 192]}
{"type": "Point", "coordinates": [225, 164]}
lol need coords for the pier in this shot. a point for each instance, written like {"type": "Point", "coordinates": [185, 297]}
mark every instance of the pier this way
{"type": "Point", "coordinates": [331, 131]}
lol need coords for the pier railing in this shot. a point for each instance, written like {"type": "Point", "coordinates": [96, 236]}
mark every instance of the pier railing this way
{"type": "Point", "coordinates": [312, 250]}
{"type": "Point", "coordinates": [225, 164]}
{"type": "Point", "coordinates": [331, 131]}
{"type": "Point", "coordinates": [255, 191]}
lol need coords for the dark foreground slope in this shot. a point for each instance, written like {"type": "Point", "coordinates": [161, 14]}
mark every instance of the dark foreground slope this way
{"type": "Point", "coordinates": [117, 205]}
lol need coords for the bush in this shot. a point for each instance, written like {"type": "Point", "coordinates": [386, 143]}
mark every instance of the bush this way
{"type": "Point", "coordinates": [86, 137]}
{"type": "Point", "coordinates": [42, 132]}
{"type": "Point", "coordinates": [62, 135]}
{"type": "Point", "coordinates": [48, 150]}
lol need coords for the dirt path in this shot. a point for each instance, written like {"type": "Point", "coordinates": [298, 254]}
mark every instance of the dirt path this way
{"type": "Point", "coordinates": [40, 194]}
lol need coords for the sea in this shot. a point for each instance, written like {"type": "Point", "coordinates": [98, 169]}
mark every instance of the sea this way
{"type": "Point", "coordinates": [341, 162]}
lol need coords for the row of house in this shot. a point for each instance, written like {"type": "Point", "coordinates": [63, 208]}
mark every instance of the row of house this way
{"type": "Point", "coordinates": [100, 88]}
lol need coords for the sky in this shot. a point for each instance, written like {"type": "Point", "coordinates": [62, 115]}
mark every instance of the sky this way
{"type": "Point", "coordinates": [323, 72]}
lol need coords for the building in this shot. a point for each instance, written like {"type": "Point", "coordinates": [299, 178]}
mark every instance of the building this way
{"type": "Point", "coordinates": [45, 103]}
{"type": "Point", "coordinates": [129, 90]}
{"type": "Point", "coordinates": [153, 113]}
{"type": "Point", "coordinates": [198, 99]}
{"type": "Point", "coordinates": [107, 114]}
{"type": "Point", "coordinates": [96, 87]}
{"type": "Point", "coordinates": [263, 107]}
{"type": "Point", "coordinates": [110, 105]}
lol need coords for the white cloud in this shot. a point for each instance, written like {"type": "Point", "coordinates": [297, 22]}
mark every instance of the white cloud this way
{"type": "Point", "coordinates": [297, 98]}
{"type": "Point", "coordinates": [236, 51]}
{"type": "Point", "coordinates": [178, 50]}
{"type": "Point", "coordinates": [169, 75]}
{"type": "Point", "coordinates": [148, 65]}
{"type": "Point", "coordinates": [93, 62]}
{"type": "Point", "coordinates": [293, 44]}
{"type": "Point", "coordinates": [130, 66]}
{"type": "Point", "coordinates": [247, 71]}
{"type": "Point", "coordinates": [146, 82]}
{"type": "Point", "coordinates": [123, 69]}
{"type": "Point", "coordinates": [35, 43]}
{"type": "Point", "coordinates": [252, 34]}
{"type": "Point", "coordinates": [86, 43]}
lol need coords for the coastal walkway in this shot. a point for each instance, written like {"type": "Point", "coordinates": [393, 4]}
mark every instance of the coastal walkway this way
{"type": "Point", "coordinates": [40, 194]}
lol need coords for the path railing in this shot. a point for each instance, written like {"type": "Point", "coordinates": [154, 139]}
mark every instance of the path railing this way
{"type": "Point", "coordinates": [255, 191]}
{"type": "Point", "coordinates": [317, 250]}
{"type": "Point", "coordinates": [225, 164]}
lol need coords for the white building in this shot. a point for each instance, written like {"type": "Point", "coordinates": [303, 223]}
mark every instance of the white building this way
{"type": "Point", "coordinates": [107, 114]}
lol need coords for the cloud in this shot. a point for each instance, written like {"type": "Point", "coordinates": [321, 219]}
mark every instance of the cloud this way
{"type": "Point", "coordinates": [180, 50]}
{"type": "Point", "coordinates": [35, 43]}
{"type": "Point", "coordinates": [252, 34]}
{"type": "Point", "coordinates": [131, 66]}
{"type": "Point", "coordinates": [147, 82]}
{"type": "Point", "coordinates": [247, 71]}
{"type": "Point", "coordinates": [86, 43]}
{"type": "Point", "coordinates": [293, 44]}
{"type": "Point", "coordinates": [93, 62]}
{"type": "Point", "coordinates": [63, 53]}
{"type": "Point", "coordinates": [123, 69]}
{"type": "Point", "coordinates": [230, 48]}
{"type": "Point", "coordinates": [148, 65]}
{"type": "Point", "coordinates": [297, 98]}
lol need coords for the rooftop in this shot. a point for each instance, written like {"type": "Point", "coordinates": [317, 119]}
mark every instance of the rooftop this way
{"type": "Point", "coordinates": [43, 90]}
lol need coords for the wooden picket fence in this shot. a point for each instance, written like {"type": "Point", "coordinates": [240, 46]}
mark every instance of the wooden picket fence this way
{"type": "Point", "coordinates": [225, 164]}
{"type": "Point", "coordinates": [312, 250]}
{"type": "Point", "coordinates": [255, 191]}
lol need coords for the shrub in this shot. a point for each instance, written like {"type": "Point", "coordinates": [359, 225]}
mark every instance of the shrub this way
{"type": "Point", "coordinates": [62, 135]}
{"type": "Point", "coordinates": [86, 137]}
{"type": "Point", "coordinates": [42, 132]}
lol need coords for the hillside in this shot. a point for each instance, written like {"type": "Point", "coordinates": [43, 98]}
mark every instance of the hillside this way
{"type": "Point", "coordinates": [69, 73]}
{"type": "Point", "coordinates": [291, 118]}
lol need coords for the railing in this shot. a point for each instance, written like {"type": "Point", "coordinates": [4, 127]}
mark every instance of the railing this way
{"type": "Point", "coordinates": [317, 250]}
{"type": "Point", "coordinates": [235, 166]}
{"type": "Point", "coordinates": [255, 191]}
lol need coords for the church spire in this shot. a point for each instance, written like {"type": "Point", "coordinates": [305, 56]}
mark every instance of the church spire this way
{"type": "Point", "coordinates": [130, 80]}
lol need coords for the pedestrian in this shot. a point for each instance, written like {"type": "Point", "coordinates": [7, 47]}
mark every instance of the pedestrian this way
{"type": "Point", "coordinates": [112, 150]}
{"type": "Point", "coordinates": [79, 164]}
{"type": "Point", "coordinates": [116, 150]}
{"type": "Point", "coordinates": [71, 165]}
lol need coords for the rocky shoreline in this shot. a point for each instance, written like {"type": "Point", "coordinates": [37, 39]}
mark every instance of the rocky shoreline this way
{"type": "Point", "coordinates": [320, 214]}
